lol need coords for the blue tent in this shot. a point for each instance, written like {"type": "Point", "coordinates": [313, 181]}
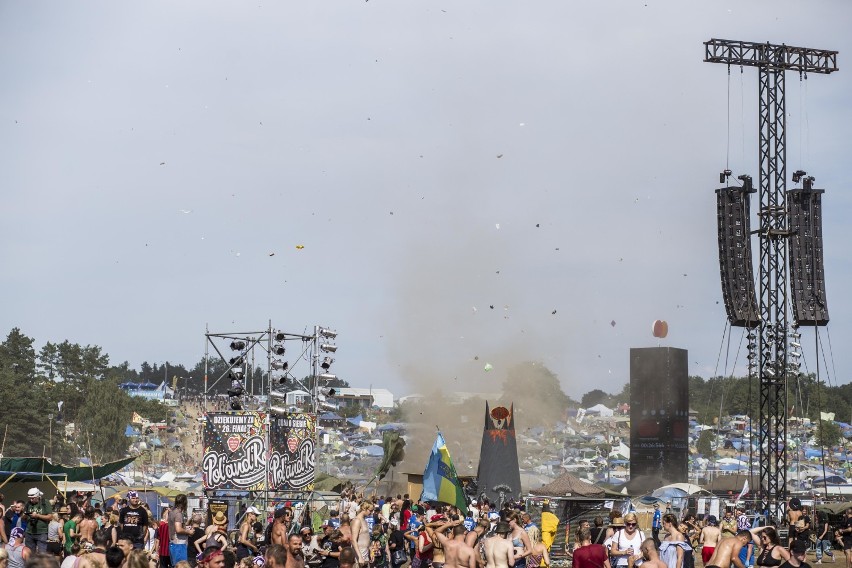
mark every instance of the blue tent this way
{"type": "Point", "coordinates": [131, 432]}
{"type": "Point", "coordinates": [155, 442]}
{"type": "Point", "coordinates": [356, 421]}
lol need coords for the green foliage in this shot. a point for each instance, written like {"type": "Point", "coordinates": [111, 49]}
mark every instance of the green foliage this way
{"type": "Point", "coordinates": [704, 444]}
{"type": "Point", "coordinates": [593, 397]}
{"type": "Point", "coordinates": [828, 434]}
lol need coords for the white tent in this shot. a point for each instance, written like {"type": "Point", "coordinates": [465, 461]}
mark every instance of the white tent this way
{"type": "Point", "coordinates": [600, 410]}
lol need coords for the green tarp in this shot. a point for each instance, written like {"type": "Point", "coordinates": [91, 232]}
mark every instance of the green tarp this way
{"type": "Point", "coordinates": [34, 469]}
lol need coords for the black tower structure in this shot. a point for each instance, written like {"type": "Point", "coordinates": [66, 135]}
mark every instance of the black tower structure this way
{"type": "Point", "coordinates": [659, 417]}
{"type": "Point", "coordinates": [772, 61]}
{"type": "Point", "coordinates": [499, 476]}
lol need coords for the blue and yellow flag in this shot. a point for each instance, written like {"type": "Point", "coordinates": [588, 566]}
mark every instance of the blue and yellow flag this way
{"type": "Point", "coordinates": [440, 482]}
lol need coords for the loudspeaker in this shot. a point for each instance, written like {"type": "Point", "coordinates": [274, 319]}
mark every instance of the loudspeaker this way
{"type": "Point", "coordinates": [735, 266]}
{"type": "Point", "coordinates": [807, 276]}
{"type": "Point", "coordinates": [659, 417]}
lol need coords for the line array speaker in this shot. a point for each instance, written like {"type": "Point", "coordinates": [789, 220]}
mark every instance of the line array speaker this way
{"type": "Point", "coordinates": [735, 264]}
{"type": "Point", "coordinates": [807, 275]}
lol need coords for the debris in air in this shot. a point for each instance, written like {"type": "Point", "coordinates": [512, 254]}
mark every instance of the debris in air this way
{"type": "Point", "coordinates": [612, 323]}
{"type": "Point", "coordinates": [300, 247]}
{"type": "Point", "coordinates": [488, 367]}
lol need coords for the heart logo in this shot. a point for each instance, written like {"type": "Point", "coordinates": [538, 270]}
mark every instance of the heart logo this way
{"type": "Point", "coordinates": [292, 444]}
{"type": "Point", "coordinates": [233, 443]}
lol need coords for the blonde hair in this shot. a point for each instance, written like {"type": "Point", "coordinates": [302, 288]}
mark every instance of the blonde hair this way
{"type": "Point", "coordinates": [535, 534]}
{"type": "Point", "coordinates": [630, 518]}
{"type": "Point", "coordinates": [4, 554]}
{"type": "Point", "coordinates": [137, 559]}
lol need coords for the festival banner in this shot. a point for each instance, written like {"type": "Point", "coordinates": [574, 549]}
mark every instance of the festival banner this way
{"type": "Point", "coordinates": [235, 451]}
{"type": "Point", "coordinates": [292, 460]}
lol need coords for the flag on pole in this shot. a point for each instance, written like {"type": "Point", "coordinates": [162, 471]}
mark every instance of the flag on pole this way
{"type": "Point", "coordinates": [440, 482]}
{"type": "Point", "coordinates": [744, 492]}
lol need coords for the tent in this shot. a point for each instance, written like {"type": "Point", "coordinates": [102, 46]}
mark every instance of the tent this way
{"type": "Point", "coordinates": [131, 432]}
{"type": "Point", "coordinates": [32, 469]}
{"type": "Point", "coordinates": [569, 485]}
{"type": "Point", "coordinates": [600, 410]}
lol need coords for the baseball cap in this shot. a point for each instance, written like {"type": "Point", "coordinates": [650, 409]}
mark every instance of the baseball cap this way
{"type": "Point", "coordinates": [34, 492]}
{"type": "Point", "coordinates": [434, 518]}
{"type": "Point", "coordinates": [17, 532]}
{"type": "Point", "coordinates": [132, 495]}
{"type": "Point", "coordinates": [252, 510]}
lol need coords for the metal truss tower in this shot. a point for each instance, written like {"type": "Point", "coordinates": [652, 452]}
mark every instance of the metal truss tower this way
{"type": "Point", "coordinates": [772, 61]}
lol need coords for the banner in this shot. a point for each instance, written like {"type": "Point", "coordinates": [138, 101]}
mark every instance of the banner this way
{"type": "Point", "coordinates": [235, 451]}
{"type": "Point", "coordinates": [292, 460]}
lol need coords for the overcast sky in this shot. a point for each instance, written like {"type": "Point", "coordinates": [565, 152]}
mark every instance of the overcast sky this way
{"type": "Point", "coordinates": [433, 158]}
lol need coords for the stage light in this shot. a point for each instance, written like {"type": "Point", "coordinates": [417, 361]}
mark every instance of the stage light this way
{"type": "Point", "coordinates": [327, 333]}
{"type": "Point", "coordinates": [795, 345]}
{"type": "Point", "coordinates": [282, 380]}
{"type": "Point", "coordinates": [328, 391]}
{"type": "Point", "coordinates": [328, 348]}
{"type": "Point", "coordinates": [280, 336]}
{"type": "Point", "coordinates": [280, 365]}
{"type": "Point", "coordinates": [277, 410]}
{"type": "Point", "coordinates": [795, 355]}
{"type": "Point", "coordinates": [326, 363]}
{"type": "Point", "coordinates": [235, 375]}
{"type": "Point", "coordinates": [279, 350]}
{"type": "Point", "coordinates": [798, 175]}
{"type": "Point", "coordinates": [236, 403]}
{"type": "Point", "coordinates": [328, 376]}
{"type": "Point", "coordinates": [278, 394]}
{"type": "Point", "coordinates": [236, 361]}
{"type": "Point", "coordinates": [238, 345]}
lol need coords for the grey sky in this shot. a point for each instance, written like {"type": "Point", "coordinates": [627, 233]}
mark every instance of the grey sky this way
{"type": "Point", "coordinates": [157, 153]}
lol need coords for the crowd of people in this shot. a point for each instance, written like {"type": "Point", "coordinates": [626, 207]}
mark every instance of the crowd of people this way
{"type": "Point", "coordinates": [731, 542]}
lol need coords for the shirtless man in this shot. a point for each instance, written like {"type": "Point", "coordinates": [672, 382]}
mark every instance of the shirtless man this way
{"type": "Point", "coordinates": [499, 552]}
{"type": "Point", "coordinates": [457, 554]}
{"type": "Point", "coordinates": [295, 558]}
{"type": "Point", "coordinates": [728, 551]}
{"type": "Point", "coordinates": [281, 525]}
{"type": "Point", "coordinates": [97, 557]}
{"type": "Point", "coordinates": [88, 526]}
{"type": "Point", "coordinates": [709, 539]}
{"type": "Point", "coordinates": [648, 553]}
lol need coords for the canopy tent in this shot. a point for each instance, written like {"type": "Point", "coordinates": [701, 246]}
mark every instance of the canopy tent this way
{"type": "Point", "coordinates": [569, 485]}
{"type": "Point", "coordinates": [35, 469]}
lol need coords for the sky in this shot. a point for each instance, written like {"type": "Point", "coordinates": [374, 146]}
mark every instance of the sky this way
{"type": "Point", "coordinates": [162, 161]}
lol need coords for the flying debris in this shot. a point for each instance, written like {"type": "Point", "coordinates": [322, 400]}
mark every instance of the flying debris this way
{"type": "Point", "coordinates": [553, 312]}
{"type": "Point", "coordinates": [300, 247]}
{"type": "Point", "coordinates": [612, 323]}
{"type": "Point", "coordinates": [488, 367]}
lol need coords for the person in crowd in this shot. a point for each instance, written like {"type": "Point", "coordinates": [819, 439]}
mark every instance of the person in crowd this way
{"type": "Point", "coordinates": [96, 556]}
{"type": "Point", "coordinates": [16, 551]}
{"type": "Point", "coordinates": [798, 549]}
{"type": "Point", "coordinates": [396, 544]}
{"type": "Point", "coordinates": [247, 543]}
{"type": "Point", "coordinates": [216, 533]}
{"type": "Point", "coordinates": [133, 521]}
{"type": "Point", "coordinates": [674, 547]}
{"type": "Point", "coordinates": [114, 557]}
{"type": "Point", "coordinates": [310, 547]}
{"type": "Point", "coordinates": [163, 542]}
{"type": "Point", "coordinates": [499, 551]}
{"type": "Point", "coordinates": [178, 531]}
{"type": "Point", "coordinates": [295, 557]}
{"type": "Point", "coordinates": [379, 549]}
{"type": "Point", "coordinates": [361, 533]}
{"type": "Point", "coordinates": [38, 514]}
{"type": "Point", "coordinates": [648, 555]}
{"type": "Point", "coordinates": [88, 525]}
{"type": "Point", "coordinates": [588, 554]}
{"type": "Point", "coordinates": [728, 526]}
{"type": "Point", "coordinates": [709, 538]}
{"type": "Point", "coordinates": [549, 526]}
{"type": "Point", "coordinates": [656, 524]}
{"type": "Point", "coordinates": [71, 556]}
{"type": "Point", "coordinates": [823, 537]}
{"type": "Point", "coordinates": [626, 542]}
{"type": "Point", "coordinates": [539, 555]}
{"type": "Point", "coordinates": [520, 540]}
{"type": "Point", "coordinates": [55, 536]}
{"type": "Point", "coordinates": [771, 552]}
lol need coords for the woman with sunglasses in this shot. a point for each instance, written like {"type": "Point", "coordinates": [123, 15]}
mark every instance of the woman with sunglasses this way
{"type": "Point", "coordinates": [673, 548]}
{"type": "Point", "coordinates": [626, 541]}
{"type": "Point", "coordinates": [772, 554]}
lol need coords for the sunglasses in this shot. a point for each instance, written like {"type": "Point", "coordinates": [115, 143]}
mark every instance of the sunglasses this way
{"type": "Point", "coordinates": [630, 524]}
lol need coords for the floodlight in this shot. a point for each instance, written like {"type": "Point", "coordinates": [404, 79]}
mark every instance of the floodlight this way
{"type": "Point", "coordinates": [280, 365]}
{"type": "Point", "coordinates": [280, 336]}
{"type": "Point", "coordinates": [328, 391]}
{"type": "Point", "coordinates": [238, 345]}
{"type": "Point", "coordinates": [282, 379]}
{"type": "Point", "coordinates": [798, 174]}
{"type": "Point", "coordinates": [795, 345]}
{"type": "Point", "coordinates": [235, 375]}
{"type": "Point", "coordinates": [328, 376]}
{"type": "Point", "coordinates": [279, 350]}
{"type": "Point", "coordinates": [278, 394]}
{"type": "Point", "coordinates": [326, 363]}
{"type": "Point", "coordinates": [328, 333]}
{"type": "Point", "coordinates": [277, 410]}
{"type": "Point", "coordinates": [236, 361]}
{"type": "Point", "coordinates": [328, 348]}
{"type": "Point", "coordinates": [795, 355]}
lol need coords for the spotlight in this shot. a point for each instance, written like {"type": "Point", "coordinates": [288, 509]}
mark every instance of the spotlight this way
{"type": "Point", "coordinates": [328, 391]}
{"type": "Point", "coordinates": [280, 365]}
{"type": "Point", "coordinates": [235, 375]}
{"type": "Point", "coordinates": [278, 394]}
{"type": "Point", "coordinates": [282, 380]}
{"type": "Point", "coordinates": [328, 348]}
{"type": "Point", "coordinates": [279, 350]}
{"type": "Point", "coordinates": [236, 361]}
{"type": "Point", "coordinates": [328, 376]}
{"type": "Point", "coordinates": [277, 410]}
{"type": "Point", "coordinates": [795, 355]}
{"type": "Point", "coordinates": [795, 345]}
{"type": "Point", "coordinates": [238, 345]}
{"type": "Point", "coordinates": [326, 363]}
{"type": "Point", "coordinates": [796, 335]}
{"type": "Point", "coordinates": [236, 404]}
{"type": "Point", "coordinates": [751, 346]}
{"type": "Point", "coordinates": [798, 175]}
{"type": "Point", "coordinates": [328, 333]}
{"type": "Point", "coordinates": [280, 336]}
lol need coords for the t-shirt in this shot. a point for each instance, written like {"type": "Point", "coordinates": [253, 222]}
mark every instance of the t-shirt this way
{"type": "Point", "coordinates": [69, 526]}
{"type": "Point", "coordinates": [176, 516]}
{"type": "Point", "coordinates": [69, 561]}
{"type": "Point", "coordinates": [37, 526]}
{"type": "Point", "coordinates": [163, 539]}
{"type": "Point", "coordinates": [598, 534]}
{"type": "Point", "coordinates": [330, 546]}
{"type": "Point", "coordinates": [134, 523]}
{"type": "Point", "coordinates": [590, 556]}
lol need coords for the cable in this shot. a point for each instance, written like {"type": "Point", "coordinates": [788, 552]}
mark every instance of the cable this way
{"type": "Point", "coordinates": [819, 409]}
{"type": "Point", "coordinates": [728, 139]}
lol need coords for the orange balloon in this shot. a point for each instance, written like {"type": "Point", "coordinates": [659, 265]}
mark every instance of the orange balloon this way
{"type": "Point", "coordinates": [660, 328]}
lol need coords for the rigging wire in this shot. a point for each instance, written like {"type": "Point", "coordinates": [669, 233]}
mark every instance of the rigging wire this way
{"type": "Point", "coordinates": [819, 409]}
{"type": "Point", "coordinates": [728, 138]}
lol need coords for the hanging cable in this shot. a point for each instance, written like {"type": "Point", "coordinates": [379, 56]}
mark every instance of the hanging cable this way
{"type": "Point", "coordinates": [728, 139]}
{"type": "Point", "coordinates": [819, 409]}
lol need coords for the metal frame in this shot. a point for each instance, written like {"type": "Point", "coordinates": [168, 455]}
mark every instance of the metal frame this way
{"type": "Point", "coordinates": [772, 62]}
{"type": "Point", "coordinates": [264, 340]}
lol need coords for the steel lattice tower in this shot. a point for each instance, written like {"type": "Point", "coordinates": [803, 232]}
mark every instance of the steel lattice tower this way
{"type": "Point", "coordinates": [772, 62]}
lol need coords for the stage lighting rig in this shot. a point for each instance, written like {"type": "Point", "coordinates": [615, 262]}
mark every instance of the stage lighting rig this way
{"type": "Point", "coordinates": [238, 345]}
{"type": "Point", "coordinates": [327, 333]}
{"type": "Point", "coordinates": [328, 348]}
{"type": "Point", "coordinates": [326, 363]}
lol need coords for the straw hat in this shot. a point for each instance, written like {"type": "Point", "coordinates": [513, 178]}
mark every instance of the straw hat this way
{"type": "Point", "coordinates": [617, 522]}
{"type": "Point", "coordinates": [219, 518]}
